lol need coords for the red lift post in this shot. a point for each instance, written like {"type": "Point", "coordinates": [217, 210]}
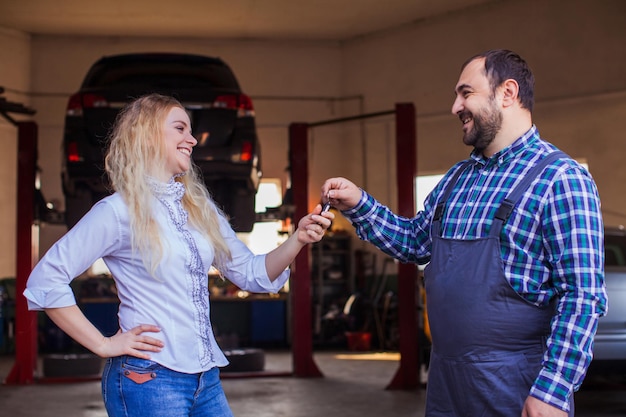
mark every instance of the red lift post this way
{"type": "Point", "coordinates": [304, 365]}
{"type": "Point", "coordinates": [407, 375]}
{"type": "Point", "coordinates": [302, 344]}
{"type": "Point", "coordinates": [27, 242]}
{"type": "Point", "coordinates": [27, 254]}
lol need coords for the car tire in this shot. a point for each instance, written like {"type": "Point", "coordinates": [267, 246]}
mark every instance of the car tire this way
{"type": "Point", "coordinates": [245, 360]}
{"type": "Point", "coordinates": [71, 365]}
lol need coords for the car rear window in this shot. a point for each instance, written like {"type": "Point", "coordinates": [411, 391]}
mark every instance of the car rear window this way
{"type": "Point", "coordinates": [615, 249]}
{"type": "Point", "coordinates": [172, 74]}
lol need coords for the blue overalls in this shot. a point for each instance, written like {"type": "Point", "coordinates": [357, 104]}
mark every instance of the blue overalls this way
{"type": "Point", "coordinates": [488, 342]}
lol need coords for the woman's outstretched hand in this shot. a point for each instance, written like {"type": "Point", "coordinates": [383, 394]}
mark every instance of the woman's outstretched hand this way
{"type": "Point", "coordinates": [311, 228]}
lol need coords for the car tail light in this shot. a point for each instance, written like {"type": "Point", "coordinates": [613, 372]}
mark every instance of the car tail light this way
{"type": "Point", "coordinates": [246, 151]}
{"type": "Point", "coordinates": [245, 106]}
{"type": "Point", "coordinates": [72, 152]}
{"type": "Point", "coordinates": [240, 102]}
{"type": "Point", "coordinates": [78, 102]}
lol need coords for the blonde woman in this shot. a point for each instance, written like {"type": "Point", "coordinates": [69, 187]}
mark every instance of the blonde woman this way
{"type": "Point", "coordinates": [158, 234]}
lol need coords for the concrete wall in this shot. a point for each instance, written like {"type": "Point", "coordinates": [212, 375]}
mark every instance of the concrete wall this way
{"type": "Point", "coordinates": [15, 78]}
{"type": "Point", "coordinates": [576, 49]}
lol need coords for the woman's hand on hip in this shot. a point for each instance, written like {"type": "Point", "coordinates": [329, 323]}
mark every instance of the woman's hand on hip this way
{"type": "Point", "coordinates": [133, 342]}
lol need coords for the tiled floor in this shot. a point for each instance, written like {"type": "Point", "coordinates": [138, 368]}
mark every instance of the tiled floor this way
{"type": "Point", "coordinates": [353, 385]}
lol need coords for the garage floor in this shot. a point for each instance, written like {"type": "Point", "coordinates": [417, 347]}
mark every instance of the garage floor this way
{"type": "Point", "coordinates": [353, 385]}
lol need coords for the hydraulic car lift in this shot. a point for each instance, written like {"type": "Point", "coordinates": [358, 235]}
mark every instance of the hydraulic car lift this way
{"type": "Point", "coordinates": [407, 375]}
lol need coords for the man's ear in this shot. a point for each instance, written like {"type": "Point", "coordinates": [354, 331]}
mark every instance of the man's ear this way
{"type": "Point", "coordinates": [510, 90]}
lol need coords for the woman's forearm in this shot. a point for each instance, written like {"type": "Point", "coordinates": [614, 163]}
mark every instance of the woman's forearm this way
{"type": "Point", "coordinates": [74, 323]}
{"type": "Point", "coordinates": [311, 229]}
{"type": "Point", "coordinates": [280, 258]}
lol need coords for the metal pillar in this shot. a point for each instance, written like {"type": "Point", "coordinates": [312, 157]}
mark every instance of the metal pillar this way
{"type": "Point", "coordinates": [407, 375]}
{"type": "Point", "coordinates": [300, 291]}
{"type": "Point", "coordinates": [27, 254]}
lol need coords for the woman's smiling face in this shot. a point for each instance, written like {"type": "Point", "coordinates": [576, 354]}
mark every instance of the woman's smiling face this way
{"type": "Point", "coordinates": [178, 141]}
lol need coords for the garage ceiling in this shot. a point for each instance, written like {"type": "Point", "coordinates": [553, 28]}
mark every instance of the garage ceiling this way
{"type": "Point", "coordinates": [334, 20]}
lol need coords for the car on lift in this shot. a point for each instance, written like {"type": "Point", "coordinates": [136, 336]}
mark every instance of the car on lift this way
{"type": "Point", "coordinates": [222, 118]}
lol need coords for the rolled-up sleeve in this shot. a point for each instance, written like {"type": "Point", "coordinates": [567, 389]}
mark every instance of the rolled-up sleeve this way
{"type": "Point", "coordinates": [53, 297]}
{"type": "Point", "coordinates": [47, 286]}
{"type": "Point", "coordinates": [247, 270]}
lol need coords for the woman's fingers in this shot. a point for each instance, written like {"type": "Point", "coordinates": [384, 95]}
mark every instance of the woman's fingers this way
{"type": "Point", "coordinates": [142, 328]}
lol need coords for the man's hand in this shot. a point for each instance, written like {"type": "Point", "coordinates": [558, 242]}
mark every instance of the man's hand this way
{"type": "Point", "coordinates": [534, 407]}
{"type": "Point", "coordinates": [341, 193]}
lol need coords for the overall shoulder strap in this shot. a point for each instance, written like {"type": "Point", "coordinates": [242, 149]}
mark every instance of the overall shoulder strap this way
{"type": "Point", "coordinates": [436, 222]}
{"type": "Point", "coordinates": [508, 204]}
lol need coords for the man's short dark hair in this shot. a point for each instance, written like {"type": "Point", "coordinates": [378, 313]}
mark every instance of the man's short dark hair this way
{"type": "Point", "coordinates": [501, 65]}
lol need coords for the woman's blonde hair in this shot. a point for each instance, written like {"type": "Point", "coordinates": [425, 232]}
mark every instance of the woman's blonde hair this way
{"type": "Point", "coordinates": [136, 150]}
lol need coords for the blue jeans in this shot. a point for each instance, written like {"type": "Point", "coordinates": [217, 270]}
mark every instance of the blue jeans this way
{"type": "Point", "coordinates": [133, 387]}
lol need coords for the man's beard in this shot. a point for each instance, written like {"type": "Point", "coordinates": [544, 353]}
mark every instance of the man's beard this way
{"type": "Point", "coordinates": [487, 124]}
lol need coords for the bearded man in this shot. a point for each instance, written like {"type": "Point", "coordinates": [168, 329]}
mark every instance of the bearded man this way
{"type": "Point", "coordinates": [514, 242]}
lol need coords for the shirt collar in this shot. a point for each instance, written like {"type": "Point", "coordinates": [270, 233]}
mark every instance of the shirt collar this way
{"type": "Point", "coordinates": [510, 151]}
{"type": "Point", "coordinates": [171, 190]}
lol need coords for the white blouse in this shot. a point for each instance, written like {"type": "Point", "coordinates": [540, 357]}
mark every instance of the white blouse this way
{"type": "Point", "coordinates": [177, 300]}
